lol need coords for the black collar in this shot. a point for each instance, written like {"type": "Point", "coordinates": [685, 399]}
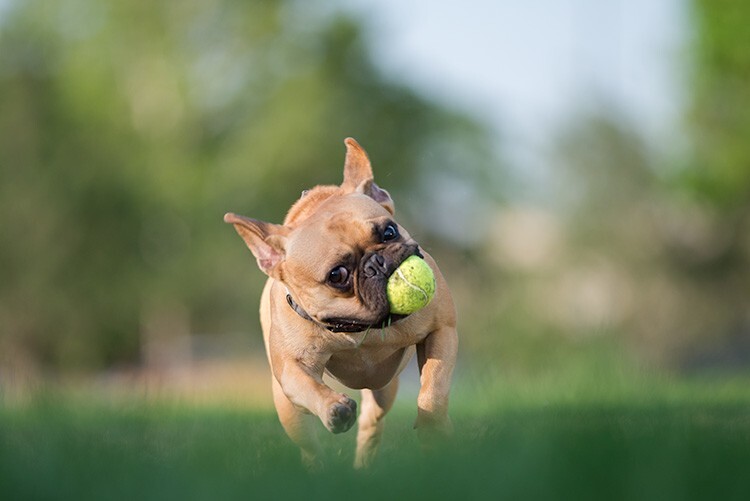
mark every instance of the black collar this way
{"type": "Point", "coordinates": [298, 308]}
{"type": "Point", "coordinates": [336, 325]}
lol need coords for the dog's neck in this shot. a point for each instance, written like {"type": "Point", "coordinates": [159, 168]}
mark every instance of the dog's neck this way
{"type": "Point", "coordinates": [302, 313]}
{"type": "Point", "coordinates": [297, 308]}
{"type": "Point", "coordinates": [339, 326]}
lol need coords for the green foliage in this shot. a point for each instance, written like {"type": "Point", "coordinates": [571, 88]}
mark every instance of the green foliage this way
{"type": "Point", "coordinates": [128, 128]}
{"type": "Point", "coordinates": [720, 115]}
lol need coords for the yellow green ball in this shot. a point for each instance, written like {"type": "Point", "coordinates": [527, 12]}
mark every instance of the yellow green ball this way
{"type": "Point", "coordinates": [411, 286]}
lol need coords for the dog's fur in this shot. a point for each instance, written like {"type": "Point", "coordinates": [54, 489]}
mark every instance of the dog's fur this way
{"type": "Point", "coordinates": [311, 325]}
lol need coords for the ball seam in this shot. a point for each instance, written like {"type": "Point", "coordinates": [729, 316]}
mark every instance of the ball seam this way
{"type": "Point", "coordinates": [401, 274]}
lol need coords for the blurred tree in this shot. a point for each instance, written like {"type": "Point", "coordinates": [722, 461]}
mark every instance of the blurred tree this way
{"type": "Point", "coordinates": [720, 117]}
{"type": "Point", "coordinates": [674, 246]}
{"type": "Point", "coordinates": [610, 176]}
{"type": "Point", "coordinates": [710, 243]}
{"type": "Point", "coordinates": [128, 128]}
{"type": "Point", "coordinates": [717, 178]}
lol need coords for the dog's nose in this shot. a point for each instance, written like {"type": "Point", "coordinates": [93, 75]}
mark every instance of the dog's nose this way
{"type": "Point", "coordinates": [375, 265]}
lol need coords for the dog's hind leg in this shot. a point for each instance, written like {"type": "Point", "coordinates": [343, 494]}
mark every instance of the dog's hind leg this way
{"type": "Point", "coordinates": [301, 427]}
{"type": "Point", "coordinates": [375, 405]}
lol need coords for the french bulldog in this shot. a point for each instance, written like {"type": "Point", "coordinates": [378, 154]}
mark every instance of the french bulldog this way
{"type": "Point", "coordinates": [324, 309]}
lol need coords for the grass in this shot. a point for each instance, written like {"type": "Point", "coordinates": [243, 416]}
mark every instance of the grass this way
{"type": "Point", "coordinates": [673, 441]}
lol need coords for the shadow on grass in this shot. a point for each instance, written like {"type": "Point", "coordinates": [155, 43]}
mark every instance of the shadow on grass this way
{"type": "Point", "coordinates": [60, 449]}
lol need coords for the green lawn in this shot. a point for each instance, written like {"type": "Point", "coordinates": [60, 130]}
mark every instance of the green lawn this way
{"type": "Point", "coordinates": [683, 442]}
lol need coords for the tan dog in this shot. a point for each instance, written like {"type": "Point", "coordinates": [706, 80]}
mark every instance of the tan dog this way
{"type": "Point", "coordinates": [324, 309]}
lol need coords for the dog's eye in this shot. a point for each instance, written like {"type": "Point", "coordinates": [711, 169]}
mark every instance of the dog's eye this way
{"type": "Point", "coordinates": [338, 276]}
{"type": "Point", "coordinates": [390, 232]}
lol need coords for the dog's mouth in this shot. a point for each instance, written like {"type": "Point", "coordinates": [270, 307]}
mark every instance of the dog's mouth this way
{"type": "Point", "coordinates": [387, 318]}
{"type": "Point", "coordinates": [351, 325]}
{"type": "Point", "coordinates": [379, 278]}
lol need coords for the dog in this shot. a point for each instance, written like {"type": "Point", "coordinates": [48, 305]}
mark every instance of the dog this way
{"type": "Point", "coordinates": [324, 309]}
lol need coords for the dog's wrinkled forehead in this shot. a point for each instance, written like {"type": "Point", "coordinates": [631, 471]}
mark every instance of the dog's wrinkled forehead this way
{"type": "Point", "coordinates": [351, 217]}
{"type": "Point", "coordinates": [350, 224]}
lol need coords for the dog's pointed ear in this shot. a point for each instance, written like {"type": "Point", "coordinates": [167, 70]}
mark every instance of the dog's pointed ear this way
{"type": "Point", "coordinates": [265, 240]}
{"type": "Point", "coordinates": [357, 167]}
{"type": "Point", "coordinates": [358, 176]}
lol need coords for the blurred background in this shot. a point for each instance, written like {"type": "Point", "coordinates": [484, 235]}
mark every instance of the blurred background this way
{"type": "Point", "coordinates": [580, 170]}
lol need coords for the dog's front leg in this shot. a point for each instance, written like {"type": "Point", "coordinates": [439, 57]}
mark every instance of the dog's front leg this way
{"type": "Point", "coordinates": [436, 356]}
{"type": "Point", "coordinates": [302, 383]}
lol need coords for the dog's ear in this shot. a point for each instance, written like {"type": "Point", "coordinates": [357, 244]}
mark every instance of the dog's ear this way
{"type": "Point", "coordinates": [357, 168]}
{"type": "Point", "coordinates": [265, 240]}
{"type": "Point", "coordinates": [358, 176]}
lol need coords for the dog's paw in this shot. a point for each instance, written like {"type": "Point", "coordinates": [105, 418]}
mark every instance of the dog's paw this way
{"type": "Point", "coordinates": [433, 429]}
{"type": "Point", "coordinates": [341, 415]}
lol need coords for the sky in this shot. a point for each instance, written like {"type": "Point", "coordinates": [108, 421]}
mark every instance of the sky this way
{"type": "Point", "coordinates": [527, 67]}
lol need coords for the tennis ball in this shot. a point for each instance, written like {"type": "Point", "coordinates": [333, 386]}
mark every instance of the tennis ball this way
{"type": "Point", "coordinates": [411, 286]}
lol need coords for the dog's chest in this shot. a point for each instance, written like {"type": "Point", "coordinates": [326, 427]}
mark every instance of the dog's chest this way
{"type": "Point", "coordinates": [368, 367]}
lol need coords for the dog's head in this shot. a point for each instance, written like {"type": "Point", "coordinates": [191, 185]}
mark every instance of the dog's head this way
{"type": "Point", "coordinates": [336, 249]}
